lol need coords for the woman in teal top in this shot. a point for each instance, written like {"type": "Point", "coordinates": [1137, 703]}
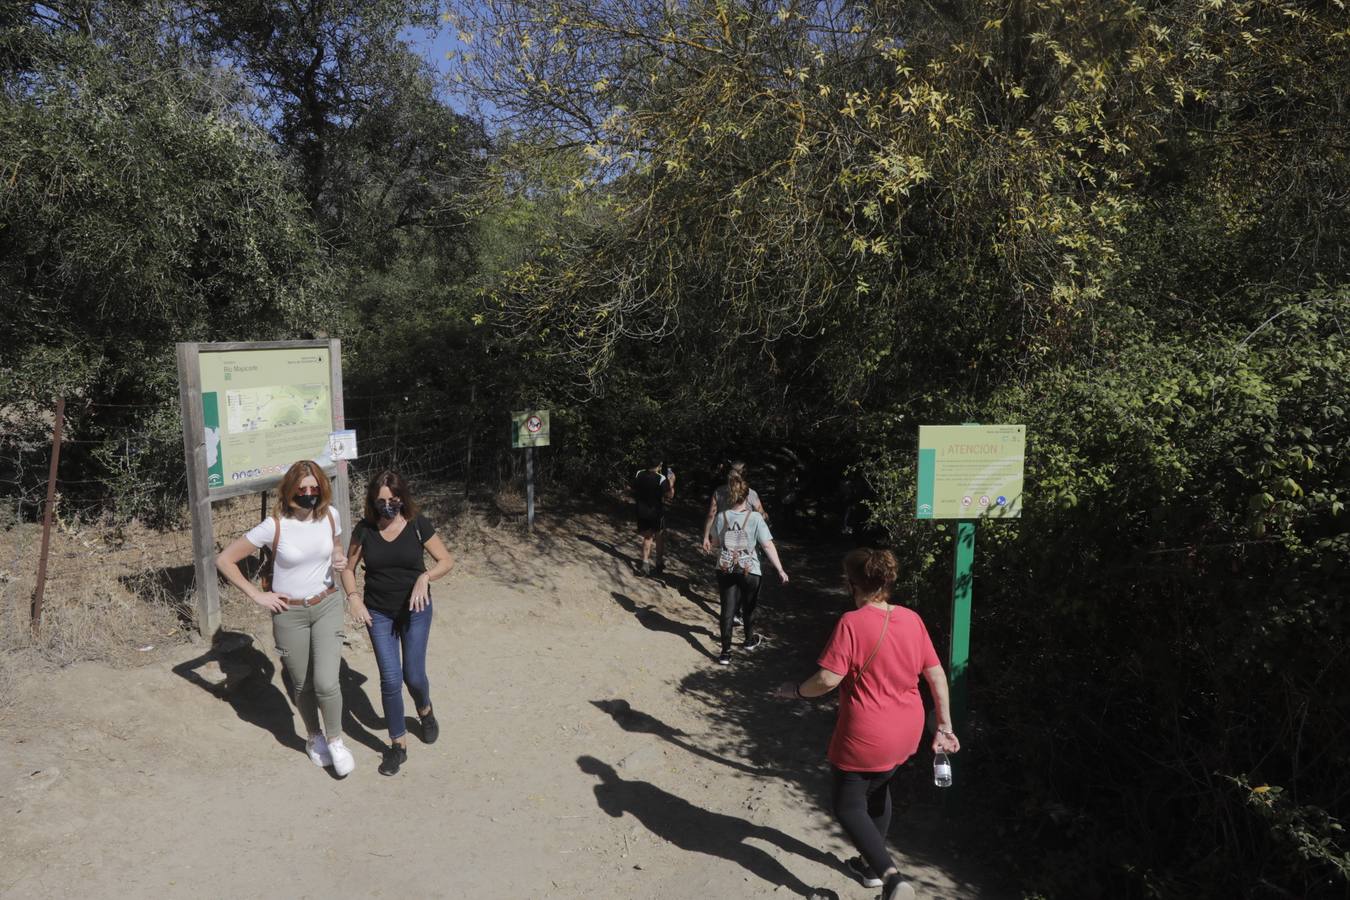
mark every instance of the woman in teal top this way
{"type": "Point", "coordinates": [741, 531]}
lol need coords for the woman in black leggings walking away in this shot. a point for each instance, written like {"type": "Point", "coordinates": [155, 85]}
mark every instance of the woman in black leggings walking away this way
{"type": "Point", "coordinates": [875, 656]}
{"type": "Point", "coordinates": [741, 531]}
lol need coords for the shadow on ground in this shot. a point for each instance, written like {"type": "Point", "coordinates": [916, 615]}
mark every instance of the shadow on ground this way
{"type": "Point", "coordinates": [696, 830]}
{"type": "Point", "coordinates": [242, 677]}
{"type": "Point", "coordinates": [748, 729]}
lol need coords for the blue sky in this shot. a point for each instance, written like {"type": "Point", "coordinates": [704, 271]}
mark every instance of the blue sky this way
{"type": "Point", "coordinates": [434, 45]}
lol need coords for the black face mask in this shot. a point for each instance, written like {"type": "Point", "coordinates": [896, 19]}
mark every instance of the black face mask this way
{"type": "Point", "coordinates": [307, 501]}
{"type": "Point", "coordinates": [388, 508]}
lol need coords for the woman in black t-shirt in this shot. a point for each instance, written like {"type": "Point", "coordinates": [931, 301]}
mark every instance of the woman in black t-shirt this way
{"type": "Point", "coordinates": [651, 489]}
{"type": "Point", "coordinates": [396, 606]}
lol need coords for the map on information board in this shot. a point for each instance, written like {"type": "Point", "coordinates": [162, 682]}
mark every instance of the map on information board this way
{"type": "Point", "coordinates": [970, 471]}
{"type": "Point", "coordinates": [263, 410]}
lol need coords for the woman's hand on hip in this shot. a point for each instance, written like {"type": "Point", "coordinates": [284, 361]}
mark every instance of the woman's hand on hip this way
{"type": "Point", "coordinates": [421, 593]}
{"type": "Point", "coordinates": [356, 608]}
{"type": "Point", "coordinates": [945, 742]}
{"type": "Point", "coordinates": [272, 602]}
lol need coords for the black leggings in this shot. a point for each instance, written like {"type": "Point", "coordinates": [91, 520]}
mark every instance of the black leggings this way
{"type": "Point", "coordinates": [862, 803]}
{"type": "Point", "coordinates": [740, 594]}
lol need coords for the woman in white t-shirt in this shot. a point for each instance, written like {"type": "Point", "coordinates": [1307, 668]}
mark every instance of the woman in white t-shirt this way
{"type": "Point", "coordinates": [305, 601]}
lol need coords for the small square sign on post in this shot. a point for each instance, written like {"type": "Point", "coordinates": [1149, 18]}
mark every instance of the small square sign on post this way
{"type": "Point", "coordinates": [529, 428]}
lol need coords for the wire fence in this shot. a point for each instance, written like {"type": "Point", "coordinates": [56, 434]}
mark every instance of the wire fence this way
{"type": "Point", "coordinates": [120, 533]}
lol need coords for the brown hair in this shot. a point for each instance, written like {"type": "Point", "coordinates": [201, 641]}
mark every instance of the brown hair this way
{"type": "Point", "coordinates": [291, 480]}
{"type": "Point", "coordinates": [737, 489]}
{"type": "Point", "coordinates": [398, 487]}
{"type": "Point", "coordinates": [871, 570]}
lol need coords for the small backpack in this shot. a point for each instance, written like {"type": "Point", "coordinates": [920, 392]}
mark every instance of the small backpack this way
{"type": "Point", "coordinates": [738, 547]}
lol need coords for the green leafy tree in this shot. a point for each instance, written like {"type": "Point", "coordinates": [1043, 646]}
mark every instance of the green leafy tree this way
{"type": "Point", "coordinates": [137, 208]}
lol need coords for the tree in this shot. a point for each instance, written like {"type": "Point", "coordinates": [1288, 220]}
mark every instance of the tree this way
{"type": "Point", "coordinates": [137, 208]}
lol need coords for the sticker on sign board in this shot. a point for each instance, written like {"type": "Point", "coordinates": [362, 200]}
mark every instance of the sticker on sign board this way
{"type": "Point", "coordinates": [342, 444]}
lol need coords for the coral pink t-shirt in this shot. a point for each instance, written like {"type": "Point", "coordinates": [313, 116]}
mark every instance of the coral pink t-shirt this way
{"type": "Point", "coordinates": [881, 713]}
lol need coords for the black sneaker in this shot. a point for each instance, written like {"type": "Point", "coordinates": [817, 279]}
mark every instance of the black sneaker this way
{"type": "Point", "coordinates": [431, 729]}
{"type": "Point", "coordinates": [394, 757]}
{"type": "Point", "coordinates": [752, 643]}
{"type": "Point", "coordinates": [724, 659]}
{"type": "Point", "coordinates": [858, 866]}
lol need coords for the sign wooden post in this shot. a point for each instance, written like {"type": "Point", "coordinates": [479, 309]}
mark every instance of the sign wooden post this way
{"type": "Point", "coordinates": [529, 489]}
{"type": "Point", "coordinates": [529, 429]}
{"type": "Point", "coordinates": [199, 496]}
{"type": "Point", "coordinates": [251, 410]}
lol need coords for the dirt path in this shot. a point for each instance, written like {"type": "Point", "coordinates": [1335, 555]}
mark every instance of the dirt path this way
{"type": "Point", "coordinates": [589, 749]}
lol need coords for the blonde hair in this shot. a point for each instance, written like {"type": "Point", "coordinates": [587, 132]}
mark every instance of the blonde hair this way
{"type": "Point", "coordinates": [737, 489]}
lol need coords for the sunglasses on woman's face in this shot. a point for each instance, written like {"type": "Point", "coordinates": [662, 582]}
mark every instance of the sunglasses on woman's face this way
{"type": "Point", "coordinates": [306, 491]}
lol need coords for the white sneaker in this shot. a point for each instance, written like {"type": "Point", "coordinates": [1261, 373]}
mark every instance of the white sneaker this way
{"type": "Point", "coordinates": [317, 748]}
{"type": "Point", "coordinates": [343, 764]}
{"type": "Point", "coordinates": [899, 889]}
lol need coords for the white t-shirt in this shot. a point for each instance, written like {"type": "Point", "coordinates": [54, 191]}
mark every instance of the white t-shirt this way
{"type": "Point", "coordinates": [304, 564]}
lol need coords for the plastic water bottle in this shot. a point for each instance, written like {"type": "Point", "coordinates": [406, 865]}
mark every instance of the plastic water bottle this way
{"type": "Point", "coordinates": [942, 770]}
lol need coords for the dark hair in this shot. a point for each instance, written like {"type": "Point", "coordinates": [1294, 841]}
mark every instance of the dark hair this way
{"type": "Point", "coordinates": [398, 487]}
{"type": "Point", "coordinates": [871, 570]}
{"type": "Point", "coordinates": [653, 459]}
{"type": "Point", "coordinates": [737, 489]}
{"type": "Point", "coordinates": [286, 505]}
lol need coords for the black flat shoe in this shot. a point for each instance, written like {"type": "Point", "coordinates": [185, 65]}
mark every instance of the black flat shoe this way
{"type": "Point", "coordinates": [430, 728]}
{"type": "Point", "coordinates": [394, 757]}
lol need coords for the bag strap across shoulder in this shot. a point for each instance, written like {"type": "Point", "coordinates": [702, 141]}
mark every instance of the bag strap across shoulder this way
{"type": "Point", "coordinates": [276, 537]}
{"type": "Point", "coordinates": [880, 641]}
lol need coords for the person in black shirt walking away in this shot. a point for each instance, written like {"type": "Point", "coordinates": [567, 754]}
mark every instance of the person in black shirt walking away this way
{"type": "Point", "coordinates": [652, 488]}
{"type": "Point", "coordinates": [396, 607]}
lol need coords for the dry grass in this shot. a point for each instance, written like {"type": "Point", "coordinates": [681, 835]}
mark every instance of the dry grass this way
{"type": "Point", "coordinates": [111, 589]}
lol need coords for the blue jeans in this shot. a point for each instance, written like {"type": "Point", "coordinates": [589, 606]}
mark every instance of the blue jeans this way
{"type": "Point", "coordinates": [387, 632]}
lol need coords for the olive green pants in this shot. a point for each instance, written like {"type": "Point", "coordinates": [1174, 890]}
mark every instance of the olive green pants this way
{"type": "Point", "coordinates": [309, 641]}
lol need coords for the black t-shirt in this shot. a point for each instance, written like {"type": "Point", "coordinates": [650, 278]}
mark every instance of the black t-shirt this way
{"type": "Point", "coordinates": [393, 567]}
{"type": "Point", "coordinates": [649, 489]}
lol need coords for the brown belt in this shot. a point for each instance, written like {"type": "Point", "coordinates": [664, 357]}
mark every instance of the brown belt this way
{"type": "Point", "coordinates": [310, 601]}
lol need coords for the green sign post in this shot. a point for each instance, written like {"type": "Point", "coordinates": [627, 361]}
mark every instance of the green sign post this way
{"type": "Point", "coordinates": [968, 472]}
{"type": "Point", "coordinates": [529, 429]}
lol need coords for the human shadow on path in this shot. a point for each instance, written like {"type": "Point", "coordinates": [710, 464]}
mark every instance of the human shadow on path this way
{"type": "Point", "coordinates": [685, 586]}
{"type": "Point", "coordinates": [247, 685]}
{"type": "Point", "coordinates": [613, 551]}
{"type": "Point", "coordinates": [639, 722]}
{"type": "Point", "coordinates": [653, 620]}
{"type": "Point", "coordinates": [358, 714]}
{"type": "Point", "coordinates": [697, 830]}
{"type": "Point", "coordinates": [681, 583]}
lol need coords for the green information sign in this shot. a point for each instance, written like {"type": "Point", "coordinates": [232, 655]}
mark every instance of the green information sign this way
{"type": "Point", "coordinates": [262, 410]}
{"type": "Point", "coordinates": [529, 428]}
{"type": "Point", "coordinates": [970, 471]}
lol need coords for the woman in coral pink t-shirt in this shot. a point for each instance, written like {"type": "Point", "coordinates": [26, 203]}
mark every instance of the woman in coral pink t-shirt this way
{"type": "Point", "coordinates": [875, 656]}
